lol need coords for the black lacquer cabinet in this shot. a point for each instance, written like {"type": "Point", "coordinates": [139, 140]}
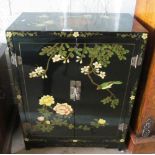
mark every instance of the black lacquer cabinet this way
{"type": "Point", "coordinates": [75, 76]}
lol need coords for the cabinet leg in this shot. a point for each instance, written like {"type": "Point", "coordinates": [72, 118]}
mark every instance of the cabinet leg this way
{"type": "Point", "coordinates": [27, 146]}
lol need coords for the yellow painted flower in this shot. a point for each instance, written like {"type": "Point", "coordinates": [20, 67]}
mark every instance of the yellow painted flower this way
{"type": "Point", "coordinates": [75, 34]}
{"type": "Point", "coordinates": [48, 122]}
{"type": "Point", "coordinates": [144, 36]}
{"type": "Point", "coordinates": [101, 121]}
{"type": "Point", "coordinates": [46, 100]}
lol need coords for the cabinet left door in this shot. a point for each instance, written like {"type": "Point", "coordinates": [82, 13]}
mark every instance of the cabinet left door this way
{"type": "Point", "coordinates": [44, 117]}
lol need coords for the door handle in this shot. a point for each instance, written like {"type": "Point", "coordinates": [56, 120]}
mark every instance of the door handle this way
{"type": "Point", "coordinates": [75, 90]}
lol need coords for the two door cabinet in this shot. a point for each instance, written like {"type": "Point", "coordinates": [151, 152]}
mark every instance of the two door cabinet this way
{"type": "Point", "coordinates": [75, 76]}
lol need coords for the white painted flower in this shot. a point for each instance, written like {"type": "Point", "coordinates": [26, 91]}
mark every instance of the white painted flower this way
{"type": "Point", "coordinates": [40, 118]}
{"type": "Point", "coordinates": [144, 36]}
{"type": "Point", "coordinates": [132, 97]}
{"type": "Point", "coordinates": [32, 74]}
{"type": "Point", "coordinates": [97, 65]}
{"type": "Point", "coordinates": [64, 61]}
{"type": "Point", "coordinates": [57, 58]}
{"type": "Point", "coordinates": [75, 34]}
{"type": "Point", "coordinates": [48, 122]}
{"type": "Point", "coordinates": [85, 69]}
{"type": "Point", "coordinates": [78, 59]}
{"type": "Point", "coordinates": [9, 34]}
{"type": "Point", "coordinates": [38, 72]}
{"type": "Point", "coordinates": [102, 74]}
{"type": "Point", "coordinates": [44, 76]}
{"type": "Point", "coordinates": [97, 70]}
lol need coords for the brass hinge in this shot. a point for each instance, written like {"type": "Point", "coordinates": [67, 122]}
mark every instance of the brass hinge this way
{"type": "Point", "coordinates": [136, 61]}
{"type": "Point", "coordinates": [122, 127]}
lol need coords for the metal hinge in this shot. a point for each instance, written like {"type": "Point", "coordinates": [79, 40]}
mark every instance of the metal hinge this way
{"type": "Point", "coordinates": [136, 61]}
{"type": "Point", "coordinates": [122, 127]}
{"type": "Point", "coordinates": [13, 59]}
{"type": "Point", "coordinates": [16, 59]}
{"type": "Point", "coordinates": [19, 60]}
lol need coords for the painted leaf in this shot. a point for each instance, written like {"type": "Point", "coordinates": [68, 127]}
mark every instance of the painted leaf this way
{"type": "Point", "coordinates": [107, 85]}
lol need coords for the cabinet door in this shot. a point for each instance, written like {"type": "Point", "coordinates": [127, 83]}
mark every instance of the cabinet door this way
{"type": "Point", "coordinates": [42, 95]}
{"type": "Point", "coordinates": [84, 93]}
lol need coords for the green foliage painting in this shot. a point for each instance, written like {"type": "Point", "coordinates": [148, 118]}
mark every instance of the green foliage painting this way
{"type": "Point", "coordinates": [99, 55]}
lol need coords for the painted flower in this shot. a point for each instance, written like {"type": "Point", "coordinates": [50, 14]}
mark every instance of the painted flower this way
{"type": "Point", "coordinates": [75, 34]}
{"type": "Point", "coordinates": [144, 36]}
{"type": "Point", "coordinates": [57, 58]}
{"type": "Point", "coordinates": [102, 75]}
{"type": "Point", "coordinates": [44, 76]}
{"type": "Point", "coordinates": [63, 109]}
{"type": "Point", "coordinates": [122, 140]}
{"type": "Point", "coordinates": [48, 122]}
{"type": "Point", "coordinates": [38, 72]}
{"type": "Point", "coordinates": [78, 59]}
{"type": "Point", "coordinates": [9, 34]}
{"type": "Point", "coordinates": [97, 65]}
{"type": "Point", "coordinates": [32, 74]}
{"type": "Point", "coordinates": [101, 121]}
{"type": "Point", "coordinates": [70, 126]}
{"type": "Point", "coordinates": [97, 70]}
{"type": "Point", "coordinates": [40, 118]}
{"type": "Point", "coordinates": [132, 97]}
{"type": "Point", "coordinates": [46, 100]}
{"type": "Point", "coordinates": [85, 69]}
{"type": "Point", "coordinates": [66, 61]}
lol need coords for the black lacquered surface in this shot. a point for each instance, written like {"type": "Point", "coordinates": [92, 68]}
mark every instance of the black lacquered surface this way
{"type": "Point", "coordinates": [73, 22]}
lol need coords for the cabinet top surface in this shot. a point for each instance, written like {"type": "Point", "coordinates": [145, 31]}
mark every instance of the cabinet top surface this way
{"type": "Point", "coordinates": [89, 22]}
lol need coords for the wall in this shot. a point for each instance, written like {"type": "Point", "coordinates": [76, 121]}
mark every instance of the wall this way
{"type": "Point", "coordinates": [10, 9]}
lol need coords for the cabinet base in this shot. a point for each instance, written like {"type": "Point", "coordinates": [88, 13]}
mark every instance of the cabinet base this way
{"type": "Point", "coordinates": [141, 145]}
{"type": "Point", "coordinates": [33, 143]}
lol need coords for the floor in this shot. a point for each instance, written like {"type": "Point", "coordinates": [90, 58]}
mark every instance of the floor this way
{"type": "Point", "coordinates": [18, 147]}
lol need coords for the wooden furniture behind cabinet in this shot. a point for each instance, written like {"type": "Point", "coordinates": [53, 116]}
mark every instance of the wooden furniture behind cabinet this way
{"type": "Point", "coordinates": [142, 137]}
